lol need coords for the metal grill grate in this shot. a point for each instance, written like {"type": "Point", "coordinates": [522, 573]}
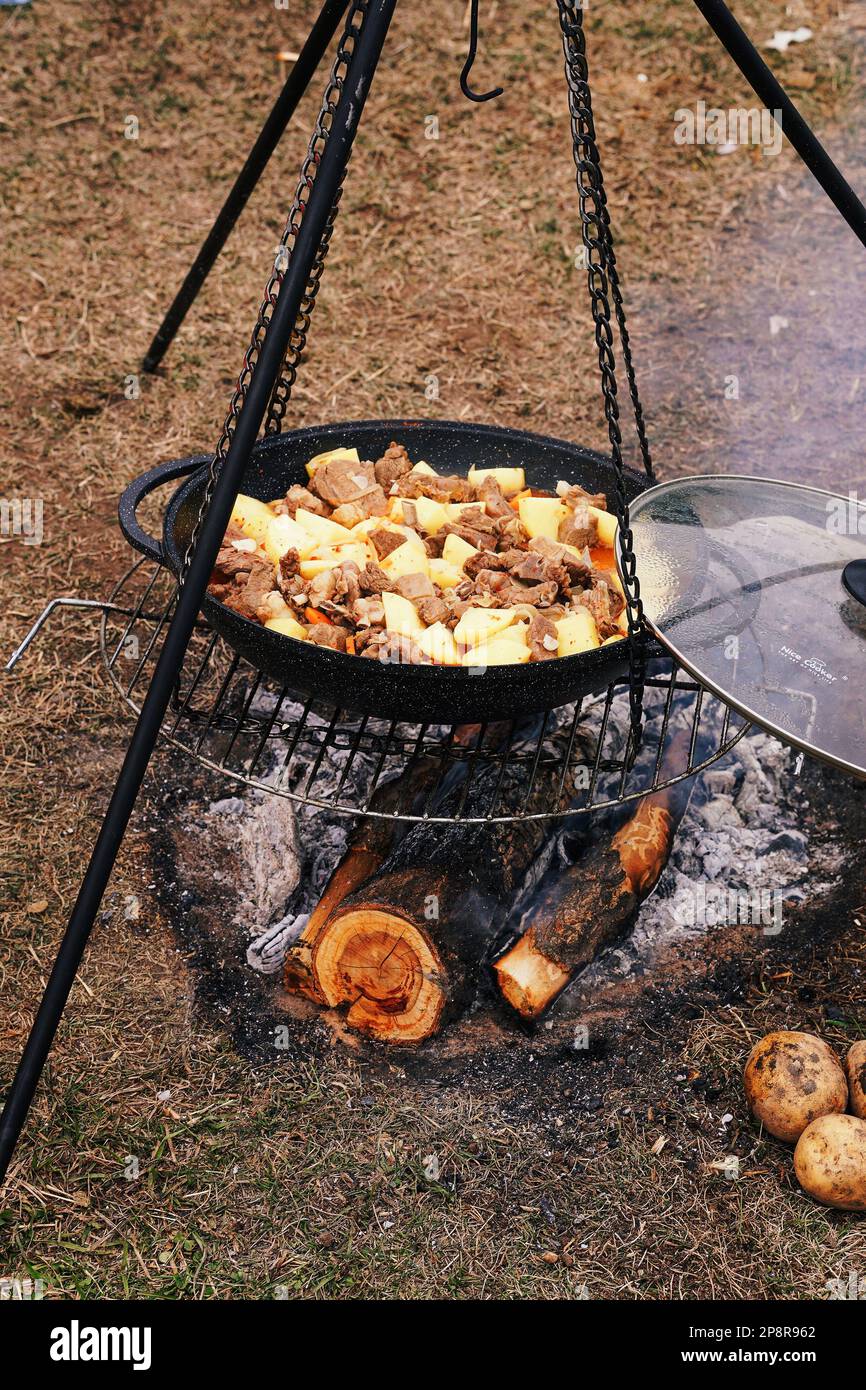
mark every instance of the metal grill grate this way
{"type": "Point", "coordinates": [566, 762]}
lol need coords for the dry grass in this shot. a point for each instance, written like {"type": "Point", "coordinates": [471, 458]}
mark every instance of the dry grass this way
{"type": "Point", "coordinates": [453, 258]}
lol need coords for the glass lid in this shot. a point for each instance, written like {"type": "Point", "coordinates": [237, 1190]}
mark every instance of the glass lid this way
{"type": "Point", "coordinates": [759, 589]}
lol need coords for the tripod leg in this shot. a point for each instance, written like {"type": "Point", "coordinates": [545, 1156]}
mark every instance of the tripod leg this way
{"type": "Point", "coordinates": [330, 172]}
{"type": "Point", "coordinates": [296, 84]}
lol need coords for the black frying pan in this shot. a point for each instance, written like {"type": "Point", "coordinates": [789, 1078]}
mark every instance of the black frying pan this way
{"type": "Point", "coordinates": [430, 693]}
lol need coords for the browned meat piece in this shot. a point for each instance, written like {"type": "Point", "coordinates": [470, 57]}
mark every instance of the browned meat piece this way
{"type": "Point", "coordinates": [579, 528]}
{"type": "Point", "coordinates": [372, 503]}
{"type": "Point", "coordinates": [507, 592]}
{"type": "Point", "coordinates": [605, 605]}
{"type": "Point", "coordinates": [575, 495]}
{"type": "Point", "coordinates": [386, 541]}
{"type": "Point", "coordinates": [480, 539]}
{"type": "Point", "coordinates": [495, 505]}
{"type": "Point", "coordinates": [289, 581]}
{"type": "Point", "coordinates": [543, 639]}
{"type": "Point", "coordinates": [369, 612]}
{"type": "Point", "coordinates": [375, 581]}
{"type": "Point", "coordinates": [532, 568]}
{"type": "Point", "coordinates": [249, 598]}
{"type": "Point", "coordinates": [393, 648]}
{"type": "Point", "coordinates": [433, 610]}
{"type": "Point", "coordinates": [433, 545]}
{"type": "Point", "coordinates": [299, 496]}
{"type": "Point", "coordinates": [511, 531]}
{"type": "Point", "coordinates": [341, 480]}
{"type": "Point", "coordinates": [328, 635]}
{"type": "Point", "coordinates": [484, 560]}
{"type": "Point", "coordinates": [337, 589]}
{"type": "Point", "coordinates": [579, 567]}
{"type": "Point", "coordinates": [451, 489]}
{"type": "Point", "coordinates": [323, 588]}
{"type": "Point", "coordinates": [241, 580]}
{"type": "Point", "coordinates": [415, 586]}
{"type": "Point", "coordinates": [393, 464]}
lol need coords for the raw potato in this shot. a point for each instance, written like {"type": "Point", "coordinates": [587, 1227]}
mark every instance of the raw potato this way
{"type": "Point", "coordinates": [510, 480]}
{"type": "Point", "coordinates": [577, 632]}
{"type": "Point", "coordinates": [855, 1069]}
{"type": "Point", "coordinates": [445, 575]}
{"type": "Point", "coordinates": [431, 515]}
{"type": "Point", "coordinates": [437, 643]}
{"type": "Point", "coordinates": [406, 559]}
{"type": "Point", "coordinates": [792, 1079]}
{"type": "Point", "coordinates": [252, 517]}
{"type": "Point", "coordinates": [325, 531]}
{"type": "Point", "coordinates": [830, 1161]}
{"type": "Point", "coordinates": [326, 559]}
{"type": "Point", "coordinates": [542, 516]}
{"type": "Point", "coordinates": [456, 551]}
{"type": "Point", "coordinates": [284, 534]}
{"type": "Point", "coordinates": [401, 615]}
{"type": "Point", "coordinates": [497, 652]}
{"type": "Point", "coordinates": [482, 624]}
{"type": "Point", "coordinates": [288, 627]}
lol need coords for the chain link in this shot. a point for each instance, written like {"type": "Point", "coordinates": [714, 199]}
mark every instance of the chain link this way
{"type": "Point", "coordinates": [595, 225]}
{"type": "Point", "coordinates": [309, 170]}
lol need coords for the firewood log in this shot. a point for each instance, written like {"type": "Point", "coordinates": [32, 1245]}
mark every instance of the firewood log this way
{"type": "Point", "coordinates": [591, 904]}
{"type": "Point", "coordinates": [368, 846]}
{"type": "Point", "coordinates": [404, 952]}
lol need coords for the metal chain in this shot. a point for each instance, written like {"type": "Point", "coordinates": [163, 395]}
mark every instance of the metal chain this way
{"type": "Point", "coordinates": [309, 169]}
{"type": "Point", "coordinates": [596, 238]}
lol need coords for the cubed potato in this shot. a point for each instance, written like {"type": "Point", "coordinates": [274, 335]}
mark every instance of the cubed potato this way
{"type": "Point", "coordinates": [517, 632]}
{"type": "Point", "coordinates": [607, 523]}
{"type": "Point", "coordinates": [401, 615]}
{"type": "Point", "coordinates": [329, 559]}
{"type": "Point", "coordinates": [406, 559]}
{"type": "Point", "coordinates": [510, 480]}
{"type": "Point", "coordinates": [288, 627]}
{"type": "Point", "coordinates": [437, 643]}
{"type": "Point", "coordinates": [577, 632]}
{"type": "Point", "coordinates": [497, 652]}
{"type": "Point", "coordinates": [542, 516]}
{"type": "Point", "coordinates": [445, 575]}
{"type": "Point", "coordinates": [455, 510]}
{"type": "Point", "coordinates": [422, 467]}
{"type": "Point", "coordinates": [329, 454]}
{"type": "Point", "coordinates": [285, 534]}
{"type": "Point", "coordinates": [325, 532]}
{"type": "Point", "coordinates": [482, 625]}
{"type": "Point", "coordinates": [431, 515]}
{"type": "Point", "coordinates": [252, 517]}
{"type": "Point", "coordinates": [617, 637]}
{"type": "Point", "coordinates": [456, 551]}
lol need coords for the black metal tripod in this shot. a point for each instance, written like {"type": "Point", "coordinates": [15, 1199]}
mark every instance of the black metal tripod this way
{"type": "Point", "coordinates": [287, 305]}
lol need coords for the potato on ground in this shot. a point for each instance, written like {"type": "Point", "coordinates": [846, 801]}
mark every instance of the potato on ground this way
{"type": "Point", "coordinates": [830, 1161]}
{"type": "Point", "coordinates": [791, 1079]}
{"type": "Point", "coordinates": [855, 1069]}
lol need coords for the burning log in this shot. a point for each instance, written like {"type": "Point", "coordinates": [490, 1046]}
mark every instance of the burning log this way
{"type": "Point", "coordinates": [404, 952]}
{"type": "Point", "coordinates": [591, 904]}
{"type": "Point", "coordinates": [369, 845]}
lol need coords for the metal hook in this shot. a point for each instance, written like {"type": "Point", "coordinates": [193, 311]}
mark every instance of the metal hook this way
{"type": "Point", "coordinates": [470, 59]}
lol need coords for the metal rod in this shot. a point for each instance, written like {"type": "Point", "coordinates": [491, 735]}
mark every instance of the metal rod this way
{"type": "Point", "coordinates": [773, 95]}
{"type": "Point", "coordinates": [330, 172]}
{"type": "Point", "coordinates": [281, 113]}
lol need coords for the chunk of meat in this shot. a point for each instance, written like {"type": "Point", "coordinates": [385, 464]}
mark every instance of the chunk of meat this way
{"type": "Point", "coordinates": [579, 566]}
{"type": "Point", "coordinates": [533, 568]}
{"type": "Point", "coordinates": [605, 604]}
{"type": "Point", "coordinates": [494, 500]}
{"type": "Point", "coordinates": [289, 581]}
{"type": "Point", "coordinates": [450, 489]}
{"type": "Point", "coordinates": [299, 496]}
{"type": "Point", "coordinates": [573, 496]}
{"type": "Point", "coordinates": [342, 480]}
{"type": "Point", "coordinates": [386, 541]}
{"type": "Point", "coordinates": [337, 588]}
{"type": "Point", "coordinates": [415, 586]}
{"type": "Point", "coordinates": [242, 580]}
{"type": "Point", "coordinates": [395, 649]}
{"type": "Point", "coordinates": [375, 581]}
{"type": "Point", "coordinates": [511, 532]}
{"type": "Point", "coordinates": [506, 591]}
{"type": "Point", "coordinates": [433, 610]}
{"type": "Point", "coordinates": [328, 635]}
{"type": "Point", "coordinates": [395, 463]}
{"type": "Point", "coordinates": [369, 612]}
{"type": "Point", "coordinates": [579, 528]}
{"type": "Point", "coordinates": [485, 560]}
{"type": "Point", "coordinates": [542, 637]}
{"type": "Point", "coordinates": [372, 503]}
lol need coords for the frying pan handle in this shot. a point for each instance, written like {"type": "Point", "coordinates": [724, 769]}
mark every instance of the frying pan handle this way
{"type": "Point", "coordinates": [134, 495]}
